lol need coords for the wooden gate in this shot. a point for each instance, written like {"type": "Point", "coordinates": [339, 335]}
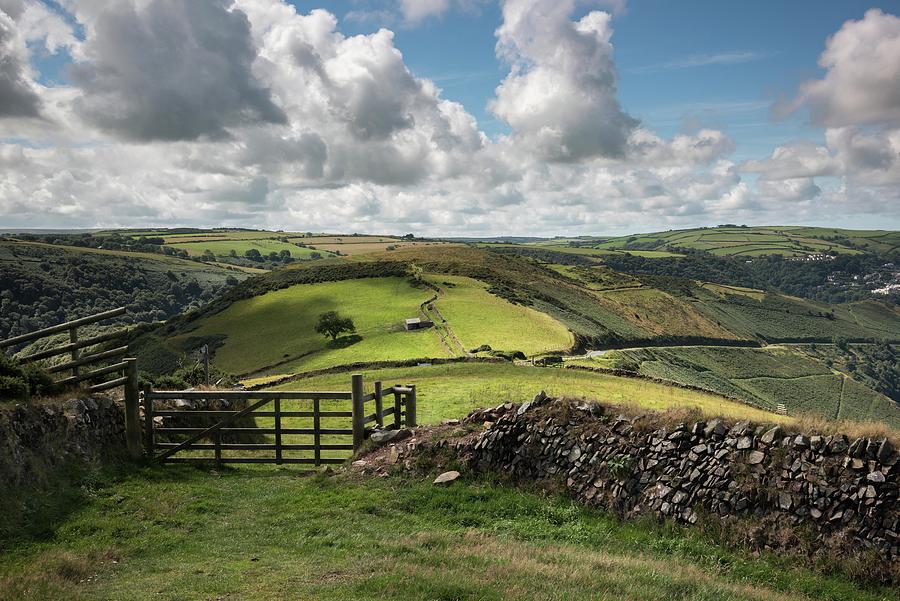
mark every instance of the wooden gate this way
{"type": "Point", "coordinates": [298, 427]}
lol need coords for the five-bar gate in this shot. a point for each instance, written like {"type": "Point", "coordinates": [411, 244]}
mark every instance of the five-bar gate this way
{"type": "Point", "coordinates": [288, 427]}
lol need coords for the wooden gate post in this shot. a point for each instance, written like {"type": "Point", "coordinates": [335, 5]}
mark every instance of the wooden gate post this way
{"type": "Point", "coordinates": [411, 407]}
{"type": "Point", "coordinates": [148, 421]}
{"type": "Point", "coordinates": [356, 395]}
{"type": "Point", "coordinates": [132, 411]}
{"type": "Point", "coordinates": [379, 406]}
{"type": "Point", "coordinates": [398, 408]}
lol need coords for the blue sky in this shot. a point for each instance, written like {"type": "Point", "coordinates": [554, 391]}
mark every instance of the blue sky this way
{"type": "Point", "coordinates": [273, 113]}
{"type": "Point", "coordinates": [764, 50]}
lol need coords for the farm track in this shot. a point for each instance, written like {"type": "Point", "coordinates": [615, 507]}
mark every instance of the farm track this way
{"type": "Point", "coordinates": [429, 305]}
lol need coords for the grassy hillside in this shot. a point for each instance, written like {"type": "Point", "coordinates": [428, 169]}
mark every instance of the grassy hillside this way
{"type": "Point", "coordinates": [44, 284]}
{"type": "Point", "coordinates": [765, 377]}
{"type": "Point", "coordinates": [679, 309]}
{"type": "Point", "coordinates": [278, 328]}
{"type": "Point", "coordinates": [222, 241]}
{"type": "Point", "coordinates": [275, 332]}
{"type": "Point", "coordinates": [179, 533]}
{"type": "Point", "coordinates": [222, 248]}
{"type": "Point", "coordinates": [754, 241]}
{"type": "Point", "coordinates": [477, 317]}
{"type": "Point", "coordinates": [454, 389]}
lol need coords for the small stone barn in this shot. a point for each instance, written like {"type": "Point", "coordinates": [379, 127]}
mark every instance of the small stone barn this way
{"type": "Point", "coordinates": [416, 323]}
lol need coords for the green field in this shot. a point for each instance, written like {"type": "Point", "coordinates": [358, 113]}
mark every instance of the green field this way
{"type": "Point", "coordinates": [587, 250]}
{"type": "Point", "coordinates": [455, 389]}
{"type": "Point", "coordinates": [265, 533]}
{"type": "Point", "coordinates": [274, 332]}
{"type": "Point", "coordinates": [278, 328]}
{"type": "Point", "coordinates": [222, 241]}
{"type": "Point", "coordinates": [477, 317]}
{"type": "Point", "coordinates": [222, 248]}
{"type": "Point", "coordinates": [765, 377]}
{"type": "Point", "coordinates": [753, 241]}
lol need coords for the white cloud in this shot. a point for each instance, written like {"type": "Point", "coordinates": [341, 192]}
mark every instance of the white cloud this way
{"type": "Point", "coordinates": [18, 97]}
{"type": "Point", "coordinates": [704, 60]}
{"type": "Point", "coordinates": [169, 70]}
{"type": "Point", "coordinates": [560, 95]}
{"type": "Point", "coordinates": [862, 64]}
{"type": "Point", "coordinates": [415, 11]}
{"type": "Point", "coordinates": [362, 143]}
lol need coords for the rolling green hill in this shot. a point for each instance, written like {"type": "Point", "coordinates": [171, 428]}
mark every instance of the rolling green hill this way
{"type": "Point", "coordinates": [765, 377]}
{"type": "Point", "coordinates": [791, 241]}
{"type": "Point", "coordinates": [274, 332]}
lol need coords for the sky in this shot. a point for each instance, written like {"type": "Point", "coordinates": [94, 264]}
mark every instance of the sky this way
{"type": "Point", "coordinates": [449, 117]}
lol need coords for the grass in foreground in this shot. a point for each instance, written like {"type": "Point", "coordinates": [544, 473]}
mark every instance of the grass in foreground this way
{"type": "Point", "coordinates": [453, 390]}
{"type": "Point", "coordinates": [181, 533]}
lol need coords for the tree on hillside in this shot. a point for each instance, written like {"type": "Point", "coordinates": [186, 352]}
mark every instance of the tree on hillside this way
{"type": "Point", "coordinates": [253, 254]}
{"type": "Point", "coordinates": [332, 324]}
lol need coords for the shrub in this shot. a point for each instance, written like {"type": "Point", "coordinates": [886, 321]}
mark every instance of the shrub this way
{"type": "Point", "coordinates": [20, 383]}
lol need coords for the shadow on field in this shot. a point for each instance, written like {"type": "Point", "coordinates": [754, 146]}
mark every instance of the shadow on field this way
{"type": "Point", "coordinates": [344, 341]}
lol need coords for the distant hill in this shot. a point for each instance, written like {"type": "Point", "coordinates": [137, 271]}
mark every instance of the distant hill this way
{"type": "Point", "coordinates": [789, 241]}
{"type": "Point", "coordinates": [44, 284]}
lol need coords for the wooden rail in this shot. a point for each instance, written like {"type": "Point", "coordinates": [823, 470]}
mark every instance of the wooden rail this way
{"type": "Point", "coordinates": [271, 406]}
{"type": "Point", "coordinates": [73, 349]}
{"type": "Point", "coordinates": [125, 368]}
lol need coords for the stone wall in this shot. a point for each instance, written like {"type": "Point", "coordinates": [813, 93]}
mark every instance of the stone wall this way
{"type": "Point", "coordinates": [37, 439]}
{"type": "Point", "coordinates": [828, 498]}
{"type": "Point", "coordinates": [843, 493]}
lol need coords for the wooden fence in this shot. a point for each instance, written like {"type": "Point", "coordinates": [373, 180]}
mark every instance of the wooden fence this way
{"type": "Point", "coordinates": [365, 412]}
{"type": "Point", "coordinates": [126, 368]}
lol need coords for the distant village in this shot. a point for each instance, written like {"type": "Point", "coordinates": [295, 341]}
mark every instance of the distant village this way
{"type": "Point", "coordinates": [885, 280]}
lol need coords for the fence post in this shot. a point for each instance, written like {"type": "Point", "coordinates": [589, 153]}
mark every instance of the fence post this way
{"type": "Point", "coordinates": [356, 395]}
{"type": "Point", "coordinates": [398, 408]}
{"type": "Point", "coordinates": [278, 431]}
{"type": "Point", "coordinates": [411, 407]}
{"type": "Point", "coordinates": [379, 406]}
{"type": "Point", "coordinates": [73, 338]}
{"type": "Point", "coordinates": [148, 421]}
{"type": "Point", "coordinates": [132, 410]}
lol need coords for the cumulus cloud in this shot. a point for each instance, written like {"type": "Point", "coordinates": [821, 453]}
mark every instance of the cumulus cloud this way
{"type": "Point", "coordinates": [17, 95]}
{"type": "Point", "coordinates": [292, 124]}
{"type": "Point", "coordinates": [862, 63]}
{"type": "Point", "coordinates": [169, 70]}
{"type": "Point", "coordinates": [800, 159]}
{"type": "Point", "coordinates": [414, 11]}
{"type": "Point", "coordinates": [560, 95]}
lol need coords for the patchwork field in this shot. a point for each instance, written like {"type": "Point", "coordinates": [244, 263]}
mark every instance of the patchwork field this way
{"type": "Point", "coordinates": [764, 377]}
{"type": "Point", "coordinates": [221, 242]}
{"type": "Point", "coordinates": [588, 251]}
{"type": "Point", "coordinates": [224, 247]}
{"type": "Point", "coordinates": [754, 241]}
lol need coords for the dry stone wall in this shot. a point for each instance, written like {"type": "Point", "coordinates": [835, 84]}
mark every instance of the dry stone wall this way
{"type": "Point", "coordinates": [36, 439]}
{"type": "Point", "coordinates": [843, 493]}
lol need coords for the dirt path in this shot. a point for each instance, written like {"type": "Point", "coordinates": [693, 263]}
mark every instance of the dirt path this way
{"type": "Point", "coordinates": [442, 326]}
